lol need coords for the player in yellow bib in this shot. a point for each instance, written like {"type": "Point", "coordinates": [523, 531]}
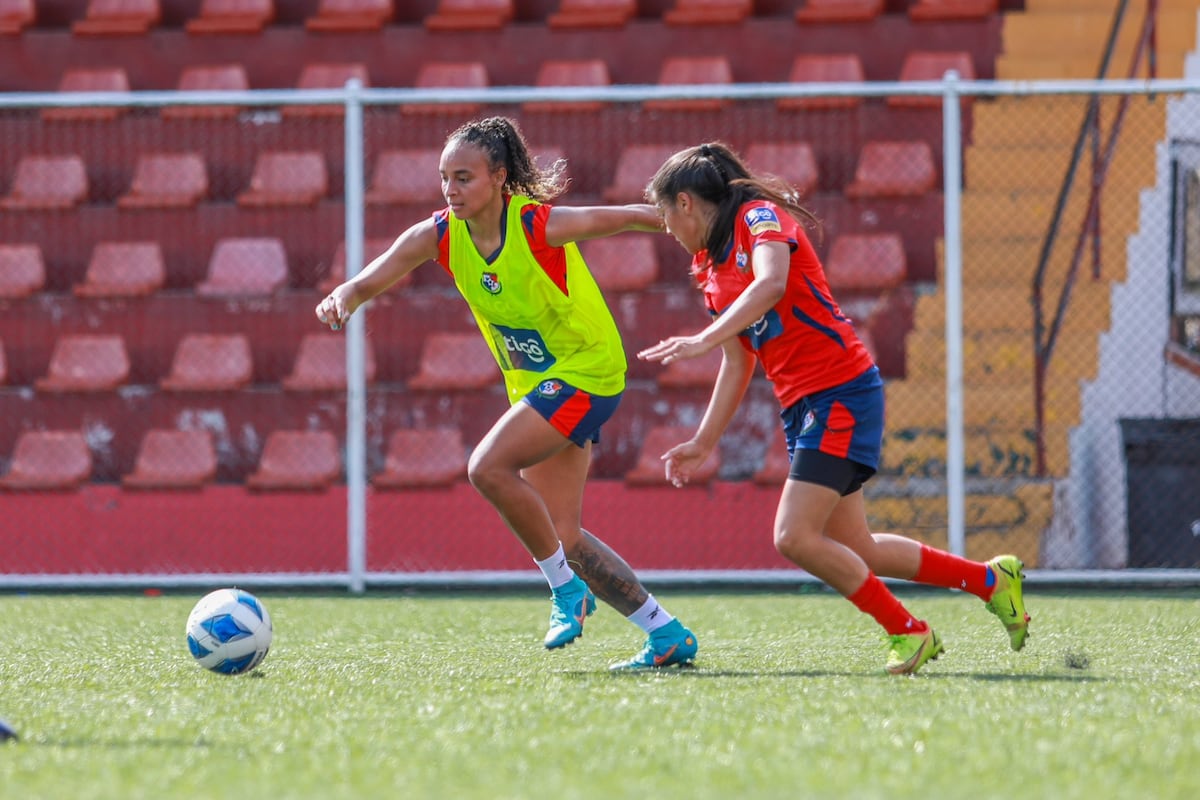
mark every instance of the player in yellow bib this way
{"type": "Point", "coordinates": [514, 260]}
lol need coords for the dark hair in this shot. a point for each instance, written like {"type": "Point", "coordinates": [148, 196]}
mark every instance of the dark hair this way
{"type": "Point", "coordinates": [713, 172]}
{"type": "Point", "coordinates": [500, 138]}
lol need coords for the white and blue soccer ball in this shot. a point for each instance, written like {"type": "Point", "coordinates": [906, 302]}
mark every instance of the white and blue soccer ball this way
{"type": "Point", "coordinates": [229, 631]}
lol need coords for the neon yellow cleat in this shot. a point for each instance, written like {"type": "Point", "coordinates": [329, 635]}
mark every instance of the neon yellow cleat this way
{"type": "Point", "coordinates": [1007, 602]}
{"type": "Point", "coordinates": [910, 651]}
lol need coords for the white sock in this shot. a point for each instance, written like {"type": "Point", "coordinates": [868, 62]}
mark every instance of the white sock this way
{"type": "Point", "coordinates": [556, 569]}
{"type": "Point", "coordinates": [651, 616]}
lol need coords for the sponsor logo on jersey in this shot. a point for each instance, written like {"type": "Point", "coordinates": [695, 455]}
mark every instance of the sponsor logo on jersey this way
{"type": "Point", "coordinates": [742, 260]}
{"type": "Point", "coordinates": [491, 282]}
{"type": "Point", "coordinates": [761, 220]}
{"type": "Point", "coordinates": [550, 388]}
{"type": "Point", "coordinates": [765, 328]}
{"type": "Point", "coordinates": [525, 347]}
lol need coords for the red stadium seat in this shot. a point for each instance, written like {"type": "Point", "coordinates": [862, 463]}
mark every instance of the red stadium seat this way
{"type": "Point", "coordinates": [123, 269]}
{"type": "Point", "coordinates": [691, 373]}
{"type": "Point", "coordinates": [232, 16]}
{"type": "Point", "coordinates": [923, 65]}
{"type": "Point", "coordinates": [86, 362]}
{"type": "Point", "coordinates": [636, 165]}
{"type": "Point", "coordinates": [118, 18]}
{"type": "Point", "coordinates": [708, 12]}
{"type": "Point", "coordinates": [448, 75]}
{"type": "Point", "coordinates": [350, 15]}
{"type": "Point", "coordinates": [219, 78]}
{"type": "Point", "coordinates": [320, 364]}
{"type": "Point", "coordinates": [22, 271]}
{"type": "Point", "coordinates": [327, 76]}
{"type": "Point", "coordinates": [840, 10]}
{"type": "Point", "coordinates": [337, 271]}
{"type": "Point", "coordinates": [823, 68]}
{"type": "Point", "coordinates": [245, 266]}
{"type": "Point", "coordinates": [944, 10]}
{"type": "Point", "coordinates": [582, 72]}
{"type": "Point", "coordinates": [423, 458]}
{"type": "Point", "coordinates": [99, 79]}
{"type": "Point", "coordinates": [893, 169]}
{"type": "Point", "coordinates": [171, 459]}
{"type": "Point", "coordinates": [297, 460]}
{"type": "Point", "coordinates": [408, 176]}
{"type": "Point", "coordinates": [166, 180]}
{"type": "Point", "coordinates": [210, 362]}
{"type": "Point", "coordinates": [16, 16]}
{"type": "Point", "coordinates": [624, 263]}
{"type": "Point", "coordinates": [47, 183]}
{"type": "Point", "coordinates": [592, 14]}
{"type": "Point", "coordinates": [454, 361]}
{"type": "Point", "coordinates": [286, 179]}
{"type": "Point", "coordinates": [650, 469]}
{"type": "Point", "coordinates": [776, 465]}
{"type": "Point", "coordinates": [3, 365]}
{"type": "Point", "coordinates": [691, 70]}
{"type": "Point", "coordinates": [866, 262]}
{"type": "Point", "coordinates": [470, 15]}
{"type": "Point", "coordinates": [793, 162]}
{"type": "Point", "coordinates": [48, 460]}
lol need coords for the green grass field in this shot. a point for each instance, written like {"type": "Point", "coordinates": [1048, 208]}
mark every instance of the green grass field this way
{"type": "Point", "coordinates": [452, 696]}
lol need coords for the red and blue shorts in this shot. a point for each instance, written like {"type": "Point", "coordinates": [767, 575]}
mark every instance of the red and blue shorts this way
{"type": "Point", "coordinates": [834, 436]}
{"type": "Point", "coordinates": [573, 412]}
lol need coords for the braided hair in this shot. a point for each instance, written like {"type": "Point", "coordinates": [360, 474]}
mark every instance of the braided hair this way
{"type": "Point", "coordinates": [501, 139]}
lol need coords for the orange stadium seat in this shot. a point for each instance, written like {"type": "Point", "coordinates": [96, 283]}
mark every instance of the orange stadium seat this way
{"type": "Point", "coordinates": [581, 72]}
{"type": "Point", "coordinates": [99, 79]}
{"type": "Point", "coordinates": [49, 460]}
{"type": "Point", "coordinates": [118, 17]}
{"type": "Point", "coordinates": [592, 14]}
{"type": "Point", "coordinates": [218, 78]}
{"type": "Point", "coordinates": [22, 271]}
{"type": "Point", "coordinates": [448, 75]}
{"type": "Point", "coordinates": [470, 15]}
{"type": "Point", "coordinates": [423, 458]}
{"type": "Point", "coordinates": [327, 76]}
{"type": "Point", "coordinates": [405, 176]}
{"type": "Point", "coordinates": [86, 362]}
{"type": "Point", "coordinates": [210, 362]}
{"type": "Point", "coordinates": [337, 270]}
{"type": "Point", "coordinates": [245, 266]}
{"type": "Point", "coordinates": [321, 364]}
{"type": "Point", "coordinates": [171, 459]}
{"type": "Point", "coordinates": [793, 162]}
{"type": "Point", "coordinates": [708, 12]}
{"type": "Point", "coordinates": [823, 68]}
{"type": "Point", "coordinates": [941, 10]}
{"type": "Point", "coordinates": [866, 262]}
{"type": "Point", "coordinates": [691, 70]}
{"type": "Point", "coordinates": [232, 16]}
{"type": "Point", "coordinates": [350, 15]}
{"type": "Point", "coordinates": [691, 373]}
{"type": "Point", "coordinates": [286, 179]}
{"type": "Point", "coordinates": [47, 183]}
{"type": "Point", "coordinates": [297, 460]}
{"type": "Point", "coordinates": [624, 263]}
{"type": "Point", "coordinates": [840, 10]}
{"type": "Point", "coordinates": [893, 169]}
{"type": "Point", "coordinates": [924, 65]}
{"type": "Point", "coordinates": [123, 269]}
{"type": "Point", "coordinates": [650, 469]}
{"type": "Point", "coordinates": [166, 180]}
{"type": "Point", "coordinates": [454, 361]}
{"type": "Point", "coordinates": [16, 16]}
{"type": "Point", "coordinates": [636, 165]}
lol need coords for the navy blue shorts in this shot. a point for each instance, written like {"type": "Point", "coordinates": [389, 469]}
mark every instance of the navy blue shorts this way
{"type": "Point", "coordinates": [573, 412]}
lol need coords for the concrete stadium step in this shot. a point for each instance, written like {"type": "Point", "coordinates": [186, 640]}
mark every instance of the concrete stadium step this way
{"type": "Point", "coordinates": [1084, 31]}
{"type": "Point", "coordinates": [999, 308]}
{"type": "Point", "coordinates": [1008, 262]}
{"type": "Point", "coordinates": [1027, 212]}
{"type": "Point", "coordinates": [1001, 357]}
{"type": "Point", "coordinates": [1031, 68]}
{"type": "Point", "coordinates": [922, 404]}
{"type": "Point", "coordinates": [991, 452]}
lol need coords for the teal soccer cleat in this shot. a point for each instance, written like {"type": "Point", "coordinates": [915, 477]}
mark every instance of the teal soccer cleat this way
{"type": "Point", "coordinates": [670, 645]}
{"type": "Point", "coordinates": [573, 603]}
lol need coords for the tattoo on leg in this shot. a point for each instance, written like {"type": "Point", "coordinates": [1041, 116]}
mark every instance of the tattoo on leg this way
{"type": "Point", "coordinates": [613, 580]}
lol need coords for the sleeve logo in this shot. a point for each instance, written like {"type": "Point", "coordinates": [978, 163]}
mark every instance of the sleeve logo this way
{"type": "Point", "coordinates": [760, 220]}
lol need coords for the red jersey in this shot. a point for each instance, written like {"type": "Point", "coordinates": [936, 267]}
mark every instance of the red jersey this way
{"type": "Point", "coordinates": [805, 343]}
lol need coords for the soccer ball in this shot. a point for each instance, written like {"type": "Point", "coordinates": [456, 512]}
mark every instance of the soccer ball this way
{"type": "Point", "coordinates": [229, 631]}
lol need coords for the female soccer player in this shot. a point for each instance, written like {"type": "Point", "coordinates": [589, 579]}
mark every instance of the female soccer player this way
{"type": "Point", "coordinates": [514, 260]}
{"type": "Point", "coordinates": [769, 299]}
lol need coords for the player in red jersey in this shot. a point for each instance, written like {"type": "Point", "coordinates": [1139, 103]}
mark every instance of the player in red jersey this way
{"type": "Point", "coordinates": [766, 291]}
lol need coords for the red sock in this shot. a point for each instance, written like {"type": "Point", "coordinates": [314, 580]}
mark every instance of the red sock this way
{"type": "Point", "coordinates": [939, 568]}
{"type": "Point", "coordinates": [874, 598]}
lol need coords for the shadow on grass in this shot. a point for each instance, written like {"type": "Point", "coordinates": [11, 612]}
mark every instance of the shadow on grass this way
{"type": "Point", "coordinates": [699, 672]}
{"type": "Point", "coordinates": [148, 743]}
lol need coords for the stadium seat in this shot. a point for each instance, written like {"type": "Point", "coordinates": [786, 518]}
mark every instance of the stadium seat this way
{"type": "Point", "coordinates": [297, 460]}
{"type": "Point", "coordinates": [708, 12]}
{"type": "Point", "coordinates": [636, 165]}
{"type": "Point", "coordinates": [692, 70]}
{"type": "Point", "coordinates": [286, 179]}
{"type": "Point", "coordinates": [232, 16]}
{"type": "Point", "coordinates": [839, 10]}
{"type": "Point", "coordinates": [624, 263]}
{"type": "Point", "coordinates": [166, 180]}
{"type": "Point", "coordinates": [592, 14]}
{"type": "Point", "coordinates": [86, 362]}
{"type": "Point", "coordinates": [245, 266]}
{"type": "Point", "coordinates": [448, 75]}
{"type": "Point", "coordinates": [691, 373]}
{"type": "Point", "coordinates": [123, 269]}
{"type": "Point", "coordinates": [22, 271]}
{"type": "Point", "coordinates": [455, 361]}
{"type": "Point", "coordinates": [82, 79]}
{"type": "Point", "coordinates": [423, 458]}
{"type": "Point", "coordinates": [3, 365]}
{"type": "Point", "coordinates": [893, 169]}
{"type": "Point", "coordinates": [118, 18]}
{"type": "Point", "coordinates": [350, 15]}
{"type": "Point", "coordinates": [47, 183]}
{"type": "Point", "coordinates": [210, 362]}
{"type": "Point", "coordinates": [946, 10]}
{"type": "Point", "coordinates": [775, 466]}
{"type": "Point", "coordinates": [405, 176]}
{"type": "Point", "coordinates": [650, 469]}
{"type": "Point", "coordinates": [49, 460]}
{"type": "Point", "coordinates": [924, 65]}
{"type": "Point", "coordinates": [16, 16]}
{"type": "Point", "coordinates": [171, 459]}
{"type": "Point", "coordinates": [470, 15]}
{"type": "Point", "coordinates": [218, 78]}
{"type": "Point", "coordinates": [581, 72]}
{"type": "Point", "coordinates": [320, 364]}
{"type": "Point", "coordinates": [327, 76]}
{"type": "Point", "coordinates": [866, 262]}
{"type": "Point", "coordinates": [823, 68]}
{"type": "Point", "coordinates": [337, 270]}
{"type": "Point", "coordinates": [794, 162]}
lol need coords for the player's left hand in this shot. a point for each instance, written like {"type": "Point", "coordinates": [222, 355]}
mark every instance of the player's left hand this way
{"type": "Point", "coordinates": [682, 461]}
{"type": "Point", "coordinates": [675, 348]}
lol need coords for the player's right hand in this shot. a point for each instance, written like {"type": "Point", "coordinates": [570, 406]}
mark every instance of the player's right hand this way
{"type": "Point", "coordinates": [333, 310]}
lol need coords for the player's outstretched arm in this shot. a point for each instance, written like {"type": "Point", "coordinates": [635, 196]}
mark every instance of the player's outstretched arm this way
{"type": "Point", "coordinates": [576, 223]}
